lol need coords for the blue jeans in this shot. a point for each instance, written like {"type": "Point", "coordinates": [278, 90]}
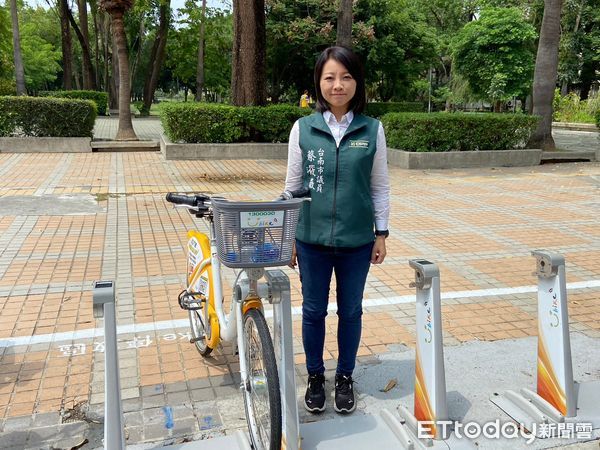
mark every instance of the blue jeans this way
{"type": "Point", "coordinates": [351, 266]}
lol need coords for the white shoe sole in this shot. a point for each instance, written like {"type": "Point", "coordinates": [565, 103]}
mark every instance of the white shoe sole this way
{"type": "Point", "coordinates": [313, 410]}
{"type": "Point", "coordinates": [344, 410]}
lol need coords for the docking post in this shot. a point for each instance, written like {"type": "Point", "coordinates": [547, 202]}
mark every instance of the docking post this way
{"type": "Point", "coordinates": [554, 363]}
{"type": "Point", "coordinates": [283, 342]}
{"type": "Point", "coordinates": [104, 306]}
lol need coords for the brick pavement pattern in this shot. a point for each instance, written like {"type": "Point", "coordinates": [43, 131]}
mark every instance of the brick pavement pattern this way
{"type": "Point", "coordinates": [479, 225]}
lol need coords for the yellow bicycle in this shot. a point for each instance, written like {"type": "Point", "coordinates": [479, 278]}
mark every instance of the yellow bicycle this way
{"type": "Point", "coordinates": [249, 236]}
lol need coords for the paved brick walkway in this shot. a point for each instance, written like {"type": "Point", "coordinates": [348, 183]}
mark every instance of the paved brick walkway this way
{"type": "Point", "coordinates": [93, 216]}
{"type": "Point", "coordinates": [147, 128]}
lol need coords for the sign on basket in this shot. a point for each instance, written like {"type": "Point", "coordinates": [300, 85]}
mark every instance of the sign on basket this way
{"type": "Point", "coordinates": [261, 219]}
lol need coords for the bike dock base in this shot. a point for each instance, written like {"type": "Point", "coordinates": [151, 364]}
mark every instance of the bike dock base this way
{"type": "Point", "coordinates": [383, 430]}
{"type": "Point", "coordinates": [355, 432]}
{"type": "Point", "coordinates": [352, 432]}
{"type": "Point", "coordinates": [236, 441]}
{"type": "Point", "coordinates": [536, 414]}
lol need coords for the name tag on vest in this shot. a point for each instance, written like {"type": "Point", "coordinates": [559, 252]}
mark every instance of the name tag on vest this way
{"type": "Point", "coordinates": [359, 144]}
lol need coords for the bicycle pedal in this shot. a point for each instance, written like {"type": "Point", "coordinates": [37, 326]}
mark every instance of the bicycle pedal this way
{"type": "Point", "coordinates": [189, 301]}
{"type": "Point", "coordinates": [194, 340]}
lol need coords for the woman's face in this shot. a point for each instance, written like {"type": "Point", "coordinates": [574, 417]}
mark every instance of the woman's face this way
{"type": "Point", "coordinates": [337, 86]}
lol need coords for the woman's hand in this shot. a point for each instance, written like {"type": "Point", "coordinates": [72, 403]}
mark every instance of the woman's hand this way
{"type": "Point", "coordinates": [378, 253]}
{"type": "Point", "coordinates": [293, 262]}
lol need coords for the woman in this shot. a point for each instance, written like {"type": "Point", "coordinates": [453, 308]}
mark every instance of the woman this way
{"type": "Point", "coordinates": [304, 100]}
{"type": "Point", "coordinates": [341, 156]}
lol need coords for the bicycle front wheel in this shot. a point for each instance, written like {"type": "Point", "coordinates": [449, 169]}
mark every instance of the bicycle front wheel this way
{"type": "Point", "coordinates": [262, 398]}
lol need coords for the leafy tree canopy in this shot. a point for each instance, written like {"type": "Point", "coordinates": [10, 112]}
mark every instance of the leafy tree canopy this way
{"type": "Point", "coordinates": [495, 54]}
{"type": "Point", "coordinates": [40, 45]}
{"type": "Point", "coordinates": [6, 57]}
{"type": "Point", "coordinates": [40, 58]}
{"type": "Point", "coordinates": [391, 36]}
{"type": "Point", "coordinates": [401, 49]}
{"type": "Point", "coordinates": [580, 39]}
{"type": "Point", "coordinates": [182, 49]}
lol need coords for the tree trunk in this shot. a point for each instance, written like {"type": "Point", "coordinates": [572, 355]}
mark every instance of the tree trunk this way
{"type": "Point", "coordinates": [102, 20]}
{"type": "Point", "coordinates": [201, 46]}
{"type": "Point", "coordinates": [248, 74]}
{"type": "Point", "coordinates": [528, 104]}
{"type": "Point", "coordinates": [19, 69]}
{"type": "Point", "coordinates": [114, 59]}
{"type": "Point", "coordinates": [125, 131]}
{"type": "Point", "coordinates": [544, 78]}
{"type": "Point", "coordinates": [97, 47]}
{"type": "Point", "coordinates": [89, 77]}
{"type": "Point", "coordinates": [138, 46]}
{"type": "Point", "coordinates": [344, 24]}
{"type": "Point", "coordinates": [160, 44]}
{"type": "Point", "coordinates": [67, 50]}
{"type": "Point", "coordinates": [588, 75]}
{"type": "Point", "coordinates": [76, 76]}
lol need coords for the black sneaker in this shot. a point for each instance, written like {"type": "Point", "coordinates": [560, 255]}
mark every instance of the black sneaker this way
{"type": "Point", "coordinates": [344, 394]}
{"type": "Point", "coordinates": [314, 399]}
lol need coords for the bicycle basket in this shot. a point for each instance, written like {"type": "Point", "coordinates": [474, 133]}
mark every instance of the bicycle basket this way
{"type": "Point", "coordinates": [255, 234]}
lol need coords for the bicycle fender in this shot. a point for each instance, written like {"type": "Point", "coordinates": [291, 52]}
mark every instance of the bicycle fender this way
{"type": "Point", "coordinates": [198, 250]}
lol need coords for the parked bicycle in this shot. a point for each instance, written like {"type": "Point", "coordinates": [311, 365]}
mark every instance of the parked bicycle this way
{"type": "Point", "coordinates": [249, 236]}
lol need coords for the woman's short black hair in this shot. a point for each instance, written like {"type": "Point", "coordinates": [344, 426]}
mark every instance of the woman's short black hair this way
{"type": "Point", "coordinates": [352, 63]}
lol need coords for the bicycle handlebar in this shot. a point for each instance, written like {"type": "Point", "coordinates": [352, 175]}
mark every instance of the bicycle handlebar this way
{"type": "Point", "coordinates": [178, 199]}
{"type": "Point", "coordinates": [300, 193]}
{"type": "Point", "coordinates": [198, 200]}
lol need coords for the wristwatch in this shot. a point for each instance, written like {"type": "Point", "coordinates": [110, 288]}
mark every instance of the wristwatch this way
{"type": "Point", "coordinates": [384, 233]}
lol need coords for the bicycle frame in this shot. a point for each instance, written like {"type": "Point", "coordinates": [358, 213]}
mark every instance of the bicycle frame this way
{"type": "Point", "coordinates": [224, 327]}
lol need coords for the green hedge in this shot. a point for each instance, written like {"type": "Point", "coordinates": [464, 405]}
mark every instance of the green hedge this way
{"type": "Point", "coordinates": [598, 119]}
{"type": "Point", "coordinates": [443, 132]}
{"type": "Point", "coordinates": [100, 98]}
{"type": "Point", "coordinates": [201, 122]}
{"type": "Point", "coordinates": [48, 117]}
{"type": "Point", "coordinates": [271, 123]}
{"type": "Point", "coordinates": [195, 122]}
{"type": "Point", "coordinates": [379, 109]}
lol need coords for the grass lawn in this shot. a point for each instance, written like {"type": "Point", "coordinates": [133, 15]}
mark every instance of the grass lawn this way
{"type": "Point", "coordinates": [154, 109]}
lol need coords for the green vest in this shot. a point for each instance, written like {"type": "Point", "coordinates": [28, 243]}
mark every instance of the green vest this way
{"type": "Point", "coordinates": [339, 178]}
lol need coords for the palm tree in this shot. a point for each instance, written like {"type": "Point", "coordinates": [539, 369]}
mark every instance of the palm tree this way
{"type": "Point", "coordinates": [19, 70]}
{"type": "Point", "coordinates": [544, 78]}
{"type": "Point", "coordinates": [117, 9]}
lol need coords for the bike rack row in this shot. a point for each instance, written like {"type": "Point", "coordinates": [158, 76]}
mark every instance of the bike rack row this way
{"type": "Point", "coordinates": [558, 398]}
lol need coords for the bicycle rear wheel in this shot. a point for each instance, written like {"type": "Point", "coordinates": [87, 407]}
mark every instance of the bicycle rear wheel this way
{"type": "Point", "coordinates": [200, 326]}
{"type": "Point", "coordinates": [262, 398]}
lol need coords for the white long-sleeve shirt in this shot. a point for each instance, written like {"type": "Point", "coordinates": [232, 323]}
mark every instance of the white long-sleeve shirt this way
{"type": "Point", "coordinates": [380, 183]}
